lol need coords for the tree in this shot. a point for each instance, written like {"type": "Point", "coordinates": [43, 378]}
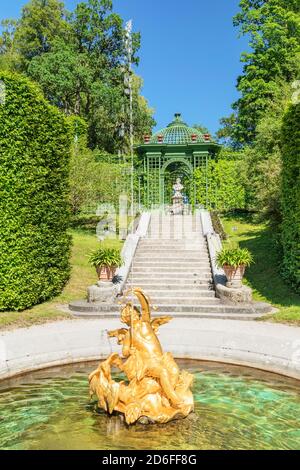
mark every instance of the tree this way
{"type": "Point", "coordinates": [274, 30]}
{"type": "Point", "coordinates": [78, 59]}
{"type": "Point", "coordinates": [41, 22]}
{"type": "Point", "coordinates": [201, 128]}
{"type": "Point", "coordinates": [64, 75]}
{"type": "Point", "coordinates": [8, 55]}
{"type": "Point", "coordinates": [261, 169]}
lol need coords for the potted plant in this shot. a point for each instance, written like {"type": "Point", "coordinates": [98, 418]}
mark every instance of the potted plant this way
{"type": "Point", "coordinates": [234, 262]}
{"type": "Point", "coordinates": [106, 261]}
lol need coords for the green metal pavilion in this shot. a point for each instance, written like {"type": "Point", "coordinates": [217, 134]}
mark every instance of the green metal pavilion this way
{"type": "Point", "coordinates": [175, 151]}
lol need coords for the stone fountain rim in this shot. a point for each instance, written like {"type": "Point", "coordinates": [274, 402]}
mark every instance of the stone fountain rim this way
{"type": "Point", "coordinates": [258, 345]}
{"type": "Point", "coordinates": [64, 363]}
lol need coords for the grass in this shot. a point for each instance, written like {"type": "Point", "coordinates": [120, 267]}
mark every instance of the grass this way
{"type": "Point", "coordinates": [264, 276]}
{"type": "Point", "coordinates": [82, 276]}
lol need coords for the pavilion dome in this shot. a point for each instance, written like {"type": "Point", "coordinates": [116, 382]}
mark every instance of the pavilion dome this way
{"type": "Point", "coordinates": [178, 132]}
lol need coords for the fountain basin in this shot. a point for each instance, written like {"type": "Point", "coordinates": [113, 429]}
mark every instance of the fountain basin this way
{"type": "Point", "coordinates": [235, 408]}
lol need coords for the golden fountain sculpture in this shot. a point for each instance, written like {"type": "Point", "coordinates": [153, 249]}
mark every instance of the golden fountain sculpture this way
{"type": "Point", "coordinates": [156, 391]}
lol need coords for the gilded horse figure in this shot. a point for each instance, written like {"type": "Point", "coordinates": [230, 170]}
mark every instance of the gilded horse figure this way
{"type": "Point", "coordinates": [156, 390]}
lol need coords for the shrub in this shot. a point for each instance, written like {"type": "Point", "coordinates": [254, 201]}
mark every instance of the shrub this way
{"type": "Point", "coordinates": [87, 222]}
{"type": "Point", "coordinates": [34, 158]}
{"type": "Point", "coordinates": [290, 197]}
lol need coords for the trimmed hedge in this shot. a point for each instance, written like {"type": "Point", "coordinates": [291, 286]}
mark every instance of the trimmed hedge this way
{"type": "Point", "coordinates": [224, 190]}
{"type": "Point", "coordinates": [290, 199]}
{"type": "Point", "coordinates": [34, 214]}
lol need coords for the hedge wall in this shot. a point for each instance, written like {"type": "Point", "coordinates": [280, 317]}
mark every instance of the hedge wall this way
{"type": "Point", "coordinates": [224, 190]}
{"type": "Point", "coordinates": [34, 214]}
{"type": "Point", "coordinates": [290, 199]}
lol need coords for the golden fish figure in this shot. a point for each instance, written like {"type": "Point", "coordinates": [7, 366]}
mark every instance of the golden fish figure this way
{"type": "Point", "coordinates": [156, 391]}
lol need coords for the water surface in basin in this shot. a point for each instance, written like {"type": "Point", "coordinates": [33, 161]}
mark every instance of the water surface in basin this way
{"type": "Point", "coordinates": [235, 408]}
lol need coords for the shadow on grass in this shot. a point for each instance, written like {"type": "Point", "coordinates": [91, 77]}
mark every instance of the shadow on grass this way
{"type": "Point", "coordinates": [264, 276]}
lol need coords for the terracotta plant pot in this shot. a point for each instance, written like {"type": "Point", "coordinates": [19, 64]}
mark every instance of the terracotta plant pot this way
{"type": "Point", "coordinates": [234, 275]}
{"type": "Point", "coordinates": [106, 273]}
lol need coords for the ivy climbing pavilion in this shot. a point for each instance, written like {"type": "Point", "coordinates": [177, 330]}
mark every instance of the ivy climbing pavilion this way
{"type": "Point", "coordinates": [174, 152]}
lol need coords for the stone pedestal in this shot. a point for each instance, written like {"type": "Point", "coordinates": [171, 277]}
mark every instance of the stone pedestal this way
{"type": "Point", "coordinates": [102, 292]}
{"type": "Point", "coordinates": [178, 206]}
{"type": "Point", "coordinates": [240, 295]}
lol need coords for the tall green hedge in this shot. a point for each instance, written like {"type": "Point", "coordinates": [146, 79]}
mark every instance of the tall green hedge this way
{"type": "Point", "coordinates": [223, 189]}
{"type": "Point", "coordinates": [290, 199]}
{"type": "Point", "coordinates": [34, 214]}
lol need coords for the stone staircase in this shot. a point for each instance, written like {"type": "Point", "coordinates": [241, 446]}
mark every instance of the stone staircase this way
{"type": "Point", "coordinates": [172, 266]}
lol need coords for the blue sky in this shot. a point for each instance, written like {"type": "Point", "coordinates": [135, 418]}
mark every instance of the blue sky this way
{"type": "Point", "coordinates": [190, 55]}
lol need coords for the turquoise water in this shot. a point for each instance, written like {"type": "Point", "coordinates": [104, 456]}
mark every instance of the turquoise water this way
{"type": "Point", "coordinates": [236, 408]}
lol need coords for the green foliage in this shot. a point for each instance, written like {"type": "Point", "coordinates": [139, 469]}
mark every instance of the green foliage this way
{"type": "Point", "coordinates": [78, 129]}
{"type": "Point", "coordinates": [234, 257]}
{"type": "Point", "coordinates": [93, 180]}
{"type": "Point", "coordinates": [41, 22]}
{"type": "Point", "coordinates": [78, 60]}
{"type": "Point", "coordinates": [261, 168]}
{"type": "Point", "coordinates": [8, 55]}
{"type": "Point", "coordinates": [224, 190]}
{"type": "Point", "coordinates": [86, 222]}
{"type": "Point", "coordinates": [264, 275]}
{"type": "Point", "coordinates": [290, 197]}
{"type": "Point", "coordinates": [273, 27]}
{"type": "Point", "coordinates": [34, 162]}
{"type": "Point", "coordinates": [110, 257]}
{"type": "Point", "coordinates": [217, 225]}
{"type": "Point", "coordinates": [201, 128]}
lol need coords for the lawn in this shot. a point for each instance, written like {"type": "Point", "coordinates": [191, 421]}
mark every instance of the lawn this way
{"type": "Point", "coordinates": [264, 276]}
{"type": "Point", "coordinates": [82, 276]}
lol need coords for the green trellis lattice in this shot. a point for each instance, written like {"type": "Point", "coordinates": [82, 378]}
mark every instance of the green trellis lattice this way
{"type": "Point", "coordinates": [176, 151]}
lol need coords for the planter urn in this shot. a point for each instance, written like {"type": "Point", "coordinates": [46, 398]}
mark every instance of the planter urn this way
{"type": "Point", "coordinates": [234, 275]}
{"type": "Point", "coordinates": [106, 273]}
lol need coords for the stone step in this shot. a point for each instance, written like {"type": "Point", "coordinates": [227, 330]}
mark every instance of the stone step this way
{"type": "Point", "coordinates": [175, 258]}
{"type": "Point", "coordinates": [194, 301]}
{"type": "Point", "coordinates": [173, 254]}
{"type": "Point", "coordinates": [174, 241]}
{"type": "Point", "coordinates": [187, 315]}
{"type": "Point", "coordinates": [191, 271]}
{"type": "Point", "coordinates": [172, 249]}
{"type": "Point", "coordinates": [172, 285]}
{"type": "Point", "coordinates": [162, 275]}
{"type": "Point", "coordinates": [172, 309]}
{"type": "Point", "coordinates": [194, 308]}
{"type": "Point", "coordinates": [178, 294]}
{"type": "Point", "coordinates": [169, 253]}
{"type": "Point", "coordinates": [188, 230]}
{"type": "Point", "coordinates": [168, 277]}
{"type": "Point", "coordinates": [187, 264]}
{"type": "Point", "coordinates": [161, 266]}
